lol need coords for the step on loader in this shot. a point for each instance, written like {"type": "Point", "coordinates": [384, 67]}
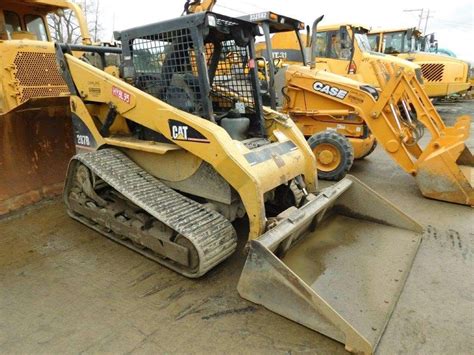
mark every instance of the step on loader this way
{"type": "Point", "coordinates": [179, 147]}
{"type": "Point", "coordinates": [336, 112]}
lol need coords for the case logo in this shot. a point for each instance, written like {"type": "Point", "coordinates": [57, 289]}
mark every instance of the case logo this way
{"type": "Point", "coordinates": [182, 132]}
{"type": "Point", "coordinates": [330, 90]}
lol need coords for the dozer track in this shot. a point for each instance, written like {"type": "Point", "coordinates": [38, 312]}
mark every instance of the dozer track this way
{"type": "Point", "coordinates": [109, 192]}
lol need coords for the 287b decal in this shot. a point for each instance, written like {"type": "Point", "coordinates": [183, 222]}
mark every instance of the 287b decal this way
{"type": "Point", "coordinates": [330, 90]}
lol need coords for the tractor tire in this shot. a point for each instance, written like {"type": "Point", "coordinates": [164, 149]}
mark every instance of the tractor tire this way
{"type": "Point", "coordinates": [334, 154]}
{"type": "Point", "coordinates": [371, 150]}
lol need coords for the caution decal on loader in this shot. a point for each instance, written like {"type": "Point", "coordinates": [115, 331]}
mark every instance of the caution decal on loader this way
{"type": "Point", "coordinates": [120, 94]}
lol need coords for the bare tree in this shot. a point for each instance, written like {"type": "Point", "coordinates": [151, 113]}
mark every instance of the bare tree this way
{"type": "Point", "coordinates": [65, 28]}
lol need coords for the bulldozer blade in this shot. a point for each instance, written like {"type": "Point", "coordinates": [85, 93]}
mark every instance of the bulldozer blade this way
{"type": "Point", "coordinates": [446, 171]}
{"type": "Point", "coordinates": [36, 144]}
{"type": "Point", "coordinates": [348, 253]}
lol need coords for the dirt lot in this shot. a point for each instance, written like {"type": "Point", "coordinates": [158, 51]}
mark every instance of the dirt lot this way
{"type": "Point", "coordinates": [66, 289]}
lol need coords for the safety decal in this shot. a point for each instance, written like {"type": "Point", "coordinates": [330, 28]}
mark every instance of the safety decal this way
{"type": "Point", "coordinates": [122, 95]}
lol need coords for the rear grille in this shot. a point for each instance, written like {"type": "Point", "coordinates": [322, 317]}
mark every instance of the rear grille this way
{"type": "Point", "coordinates": [38, 75]}
{"type": "Point", "coordinates": [432, 71]}
{"type": "Point", "coordinates": [28, 93]}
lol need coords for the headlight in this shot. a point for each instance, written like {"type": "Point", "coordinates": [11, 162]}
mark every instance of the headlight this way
{"type": "Point", "coordinates": [419, 75]}
{"type": "Point", "coordinates": [211, 21]}
{"type": "Point", "coordinates": [371, 90]}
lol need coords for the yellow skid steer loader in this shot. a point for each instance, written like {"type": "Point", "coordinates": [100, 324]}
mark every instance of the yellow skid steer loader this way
{"type": "Point", "coordinates": [174, 151]}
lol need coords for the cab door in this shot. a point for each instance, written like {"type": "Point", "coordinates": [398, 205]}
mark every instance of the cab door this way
{"type": "Point", "coordinates": [334, 50]}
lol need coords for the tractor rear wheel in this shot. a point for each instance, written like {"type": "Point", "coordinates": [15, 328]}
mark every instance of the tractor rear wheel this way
{"type": "Point", "coordinates": [334, 154]}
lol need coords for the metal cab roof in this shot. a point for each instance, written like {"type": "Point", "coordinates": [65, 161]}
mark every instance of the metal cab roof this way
{"type": "Point", "coordinates": [336, 26]}
{"type": "Point", "coordinates": [276, 22]}
{"type": "Point", "coordinates": [188, 21]}
{"type": "Point", "coordinates": [49, 4]}
{"type": "Point", "coordinates": [416, 32]}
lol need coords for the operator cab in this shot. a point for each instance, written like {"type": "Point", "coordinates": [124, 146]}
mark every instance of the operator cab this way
{"type": "Point", "coordinates": [202, 64]}
{"type": "Point", "coordinates": [339, 43]}
{"type": "Point", "coordinates": [396, 41]}
{"type": "Point", "coordinates": [278, 31]}
{"type": "Point", "coordinates": [18, 23]}
{"type": "Point", "coordinates": [42, 20]}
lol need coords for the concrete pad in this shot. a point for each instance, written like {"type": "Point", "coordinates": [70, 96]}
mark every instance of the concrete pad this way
{"type": "Point", "coordinates": [66, 289]}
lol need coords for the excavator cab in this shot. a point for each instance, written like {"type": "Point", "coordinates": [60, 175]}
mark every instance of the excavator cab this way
{"type": "Point", "coordinates": [443, 76]}
{"type": "Point", "coordinates": [180, 147]}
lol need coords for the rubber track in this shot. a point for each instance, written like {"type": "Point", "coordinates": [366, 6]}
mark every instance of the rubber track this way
{"type": "Point", "coordinates": [212, 235]}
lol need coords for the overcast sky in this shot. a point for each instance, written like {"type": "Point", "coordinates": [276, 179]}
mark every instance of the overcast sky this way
{"type": "Point", "coordinates": [452, 21]}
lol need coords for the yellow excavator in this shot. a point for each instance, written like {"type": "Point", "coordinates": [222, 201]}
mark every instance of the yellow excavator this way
{"type": "Point", "coordinates": [35, 125]}
{"type": "Point", "coordinates": [341, 117]}
{"type": "Point", "coordinates": [342, 49]}
{"type": "Point", "coordinates": [176, 148]}
{"type": "Point", "coordinates": [443, 75]}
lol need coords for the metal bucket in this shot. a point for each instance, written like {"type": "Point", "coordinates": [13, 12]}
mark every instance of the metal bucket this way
{"type": "Point", "coordinates": [445, 170]}
{"type": "Point", "coordinates": [337, 265]}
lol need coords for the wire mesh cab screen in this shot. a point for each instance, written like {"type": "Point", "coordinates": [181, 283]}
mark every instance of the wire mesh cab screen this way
{"type": "Point", "coordinates": [200, 63]}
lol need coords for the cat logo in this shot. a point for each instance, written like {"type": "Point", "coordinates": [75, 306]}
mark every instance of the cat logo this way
{"type": "Point", "coordinates": [330, 90]}
{"type": "Point", "coordinates": [181, 132]}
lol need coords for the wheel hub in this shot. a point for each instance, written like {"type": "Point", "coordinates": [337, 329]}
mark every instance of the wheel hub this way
{"type": "Point", "coordinates": [326, 157]}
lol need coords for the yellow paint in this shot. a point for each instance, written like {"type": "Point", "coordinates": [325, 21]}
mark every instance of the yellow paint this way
{"type": "Point", "coordinates": [224, 154]}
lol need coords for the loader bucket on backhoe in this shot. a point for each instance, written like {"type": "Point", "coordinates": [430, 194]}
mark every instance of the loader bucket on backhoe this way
{"type": "Point", "coordinates": [36, 144]}
{"type": "Point", "coordinates": [349, 252]}
{"type": "Point", "coordinates": [445, 170]}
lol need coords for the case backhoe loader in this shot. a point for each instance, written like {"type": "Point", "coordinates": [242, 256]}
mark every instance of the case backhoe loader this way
{"type": "Point", "coordinates": [443, 75]}
{"type": "Point", "coordinates": [35, 126]}
{"type": "Point", "coordinates": [331, 109]}
{"type": "Point", "coordinates": [174, 151]}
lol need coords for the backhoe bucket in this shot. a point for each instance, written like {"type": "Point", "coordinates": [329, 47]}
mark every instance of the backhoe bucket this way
{"type": "Point", "coordinates": [36, 145]}
{"type": "Point", "coordinates": [348, 254]}
{"type": "Point", "coordinates": [445, 170]}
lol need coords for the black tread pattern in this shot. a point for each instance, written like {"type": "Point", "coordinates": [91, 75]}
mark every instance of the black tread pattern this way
{"type": "Point", "coordinates": [345, 148]}
{"type": "Point", "coordinates": [212, 235]}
